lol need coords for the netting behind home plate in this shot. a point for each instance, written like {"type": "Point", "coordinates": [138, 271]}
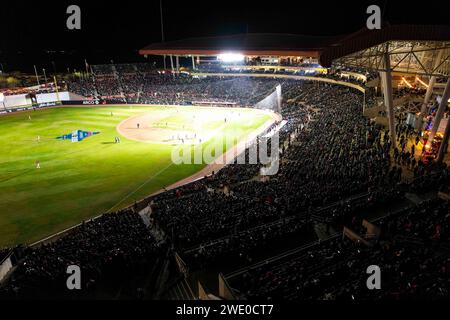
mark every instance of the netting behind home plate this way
{"type": "Point", "coordinates": [272, 101]}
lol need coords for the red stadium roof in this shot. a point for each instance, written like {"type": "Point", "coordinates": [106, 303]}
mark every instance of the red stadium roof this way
{"type": "Point", "coordinates": [325, 48]}
{"type": "Point", "coordinates": [247, 44]}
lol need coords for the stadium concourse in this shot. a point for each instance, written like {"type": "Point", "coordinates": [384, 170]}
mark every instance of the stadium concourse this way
{"type": "Point", "coordinates": [272, 237]}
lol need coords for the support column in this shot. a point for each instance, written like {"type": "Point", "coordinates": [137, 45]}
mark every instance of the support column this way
{"type": "Point", "coordinates": [364, 102]}
{"type": "Point", "coordinates": [386, 79]}
{"type": "Point", "coordinates": [165, 67]}
{"type": "Point", "coordinates": [444, 145]}
{"type": "Point", "coordinates": [439, 113]}
{"type": "Point", "coordinates": [177, 59]}
{"type": "Point", "coordinates": [429, 92]}
{"type": "Point", "coordinates": [193, 63]}
{"type": "Point", "coordinates": [171, 62]}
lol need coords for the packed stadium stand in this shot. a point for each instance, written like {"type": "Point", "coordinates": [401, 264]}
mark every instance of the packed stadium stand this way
{"type": "Point", "coordinates": [278, 237]}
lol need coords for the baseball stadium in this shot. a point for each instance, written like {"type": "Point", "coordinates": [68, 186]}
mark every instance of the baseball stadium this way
{"type": "Point", "coordinates": [253, 166]}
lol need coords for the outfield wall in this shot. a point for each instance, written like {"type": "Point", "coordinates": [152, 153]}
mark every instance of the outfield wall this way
{"type": "Point", "coordinates": [22, 101]}
{"type": "Point", "coordinates": [5, 266]}
{"type": "Point", "coordinates": [61, 96]}
{"type": "Point", "coordinates": [16, 101]}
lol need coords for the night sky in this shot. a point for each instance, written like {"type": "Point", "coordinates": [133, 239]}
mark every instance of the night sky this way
{"type": "Point", "coordinates": [32, 32]}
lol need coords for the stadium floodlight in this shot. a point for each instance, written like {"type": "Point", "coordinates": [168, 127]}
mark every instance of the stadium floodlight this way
{"type": "Point", "coordinates": [231, 57]}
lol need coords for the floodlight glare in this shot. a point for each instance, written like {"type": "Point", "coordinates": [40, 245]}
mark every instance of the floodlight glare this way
{"type": "Point", "coordinates": [231, 57]}
{"type": "Point", "coordinates": [421, 82]}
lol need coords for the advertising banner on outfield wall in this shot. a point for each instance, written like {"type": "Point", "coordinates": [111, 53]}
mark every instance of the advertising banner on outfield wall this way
{"type": "Point", "coordinates": [81, 102]}
{"type": "Point", "coordinates": [44, 105]}
{"type": "Point", "coordinates": [31, 107]}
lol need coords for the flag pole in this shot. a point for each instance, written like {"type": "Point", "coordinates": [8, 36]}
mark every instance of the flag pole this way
{"type": "Point", "coordinates": [37, 77]}
{"type": "Point", "coordinates": [57, 92]}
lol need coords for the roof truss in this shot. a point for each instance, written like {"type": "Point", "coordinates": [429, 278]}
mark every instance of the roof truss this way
{"type": "Point", "coordinates": [427, 58]}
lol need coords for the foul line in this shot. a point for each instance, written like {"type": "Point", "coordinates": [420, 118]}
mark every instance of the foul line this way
{"type": "Point", "coordinates": [142, 185]}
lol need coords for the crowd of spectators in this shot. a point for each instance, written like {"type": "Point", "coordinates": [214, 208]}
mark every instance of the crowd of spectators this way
{"type": "Point", "coordinates": [312, 72]}
{"type": "Point", "coordinates": [165, 89]}
{"type": "Point", "coordinates": [336, 154]}
{"type": "Point", "coordinates": [142, 83]}
{"type": "Point", "coordinates": [83, 87]}
{"type": "Point", "coordinates": [412, 253]}
{"type": "Point", "coordinates": [108, 87]}
{"type": "Point", "coordinates": [109, 248]}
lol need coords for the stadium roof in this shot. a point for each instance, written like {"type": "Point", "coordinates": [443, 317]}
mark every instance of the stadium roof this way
{"type": "Point", "coordinates": [412, 48]}
{"type": "Point", "coordinates": [402, 40]}
{"type": "Point", "coordinates": [247, 44]}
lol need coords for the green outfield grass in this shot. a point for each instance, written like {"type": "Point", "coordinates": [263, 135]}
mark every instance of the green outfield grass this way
{"type": "Point", "coordinates": [80, 180]}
